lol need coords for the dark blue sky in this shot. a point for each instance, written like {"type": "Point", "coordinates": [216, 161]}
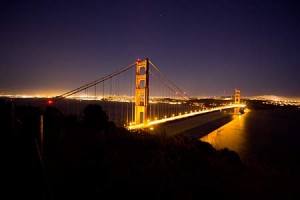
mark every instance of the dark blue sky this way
{"type": "Point", "coordinates": [204, 46]}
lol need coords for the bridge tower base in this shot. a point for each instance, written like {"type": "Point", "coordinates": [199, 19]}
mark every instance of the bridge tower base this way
{"type": "Point", "coordinates": [142, 92]}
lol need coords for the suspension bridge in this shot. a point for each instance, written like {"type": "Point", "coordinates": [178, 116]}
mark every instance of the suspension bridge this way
{"type": "Point", "coordinates": [140, 96]}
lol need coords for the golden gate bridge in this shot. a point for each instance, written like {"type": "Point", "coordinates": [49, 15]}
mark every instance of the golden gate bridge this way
{"type": "Point", "coordinates": [139, 96]}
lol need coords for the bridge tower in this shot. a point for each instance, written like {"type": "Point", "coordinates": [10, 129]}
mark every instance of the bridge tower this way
{"type": "Point", "coordinates": [142, 91]}
{"type": "Point", "coordinates": [237, 100]}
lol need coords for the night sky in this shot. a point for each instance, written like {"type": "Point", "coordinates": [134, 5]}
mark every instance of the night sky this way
{"type": "Point", "coordinates": [205, 46]}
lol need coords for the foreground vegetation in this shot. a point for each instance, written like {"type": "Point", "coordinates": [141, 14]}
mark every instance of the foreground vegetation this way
{"type": "Point", "coordinates": [91, 158]}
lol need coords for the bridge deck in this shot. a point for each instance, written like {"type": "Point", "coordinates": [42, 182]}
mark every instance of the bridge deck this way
{"type": "Point", "coordinates": [183, 116]}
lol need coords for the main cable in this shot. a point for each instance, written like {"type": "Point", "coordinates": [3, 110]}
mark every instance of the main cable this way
{"type": "Point", "coordinates": [165, 76]}
{"type": "Point", "coordinates": [88, 85]}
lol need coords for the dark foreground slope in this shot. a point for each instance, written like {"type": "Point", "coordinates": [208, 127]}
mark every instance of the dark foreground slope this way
{"type": "Point", "coordinates": [91, 158]}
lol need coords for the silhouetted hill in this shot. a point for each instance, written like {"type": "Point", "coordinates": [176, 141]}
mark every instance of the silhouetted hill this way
{"type": "Point", "coordinates": [88, 157]}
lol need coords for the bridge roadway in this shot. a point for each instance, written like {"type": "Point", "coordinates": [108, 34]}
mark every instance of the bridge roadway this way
{"type": "Point", "coordinates": [185, 122]}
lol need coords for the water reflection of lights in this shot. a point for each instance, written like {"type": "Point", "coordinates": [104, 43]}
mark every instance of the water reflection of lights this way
{"type": "Point", "coordinates": [231, 135]}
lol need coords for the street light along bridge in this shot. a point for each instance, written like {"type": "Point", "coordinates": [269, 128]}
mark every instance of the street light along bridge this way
{"type": "Point", "coordinates": [125, 97]}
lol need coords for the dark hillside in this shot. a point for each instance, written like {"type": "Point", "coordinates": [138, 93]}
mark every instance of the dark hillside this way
{"type": "Point", "coordinates": [90, 158]}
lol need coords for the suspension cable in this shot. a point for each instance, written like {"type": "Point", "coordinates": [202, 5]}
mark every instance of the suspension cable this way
{"type": "Point", "coordinates": [165, 76]}
{"type": "Point", "coordinates": [88, 85]}
{"type": "Point", "coordinates": [165, 84]}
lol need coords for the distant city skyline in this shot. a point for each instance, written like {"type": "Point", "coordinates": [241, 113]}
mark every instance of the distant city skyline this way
{"type": "Point", "coordinates": [205, 47]}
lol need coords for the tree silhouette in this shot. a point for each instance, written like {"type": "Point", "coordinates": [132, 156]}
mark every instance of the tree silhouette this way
{"type": "Point", "coordinates": [94, 117]}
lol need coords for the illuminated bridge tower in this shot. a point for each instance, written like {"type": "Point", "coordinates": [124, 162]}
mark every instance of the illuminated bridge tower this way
{"type": "Point", "coordinates": [237, 100]}
{"type": "Point", "coordinates": [142, 92]}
